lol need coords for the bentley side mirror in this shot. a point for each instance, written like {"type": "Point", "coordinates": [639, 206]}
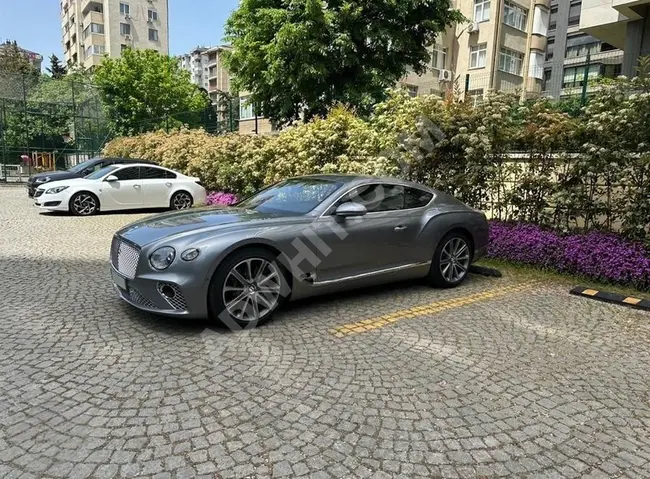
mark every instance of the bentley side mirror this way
{"type": "Point", "coordinates": [350, 210]}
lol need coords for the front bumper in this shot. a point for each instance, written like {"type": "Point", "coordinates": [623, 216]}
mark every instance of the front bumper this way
{"type": "Point", "coordinates": [56, 202]}
{"type": "Point", "coordinates": [158, 295]}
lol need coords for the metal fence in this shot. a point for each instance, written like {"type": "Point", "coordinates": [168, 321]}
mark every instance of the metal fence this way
{"type": "Point", "coordinates": [52, 124]}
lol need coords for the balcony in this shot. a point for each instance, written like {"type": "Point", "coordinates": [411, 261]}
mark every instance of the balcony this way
{"type": "Point", "coordinates": [93, 17]}
{"type": "Point", "coordinates": [600, 19]}
{"type": "Point", "coordinates": [88, 5]}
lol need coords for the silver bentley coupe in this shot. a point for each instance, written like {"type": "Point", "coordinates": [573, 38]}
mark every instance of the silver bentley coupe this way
{"type": "Point", "coordinates": [302, 237]}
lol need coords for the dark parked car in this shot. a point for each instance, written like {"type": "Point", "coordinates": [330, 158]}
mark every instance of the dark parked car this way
{"type": "Point", "coordinates": [78, 171]}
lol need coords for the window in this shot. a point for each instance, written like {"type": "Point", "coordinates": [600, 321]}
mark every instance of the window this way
{"type": "Point", "coordinates": [439, 57]}
{"type": "Point", "coordinates": [153, 35]}
{"type": "Point", "coordinates": [583, 50]}
{"type": "Point", "coordinates": [412, 89]}
{"type": "Point", "coordinates": [123, 47]}
{"type": "Point", "coordinates": [478, 56]}
{"type": "Point", "coordinates": [125, 29]}
{"type": "Point", "coordinates": [612, 71]}
{"type": "Point", "coordinates": [296, 196]}
{"type": "Point", "coordinates": [510, 61]}
{"type": "Point", "coordinates": [130, 173]}
{"type": "Point", "coordinates": [153, 15]}
{"type": "Point", "coordinates": [574, 13]}
{"type": "Point", "coordinates": [515, 16]}
{"type": "Point", "coordinates": [481, 10]}
{"type": "Point", "coordinates": [125, 9]}
{"type": "Point", "coordinates": [95, 50]}
{"type": "Point", "coordinates": [548, 73]}
{"type": "Point", "coordinates": [246, 109]}
{"type": "Point", "coordinates": [553, 19]}
{"type": "Point", "coordinates": [151, 173]}
{"type": "Point", "coordinates": [97, 174]}
{"type": "Point", "coordinates": [574, 76]}
{"type": "Point", "coordinates": [415, 198]}
{"type": "Point", "coordinates": [93, 28]}
{"type": "Point", "coordinates": [376, 197]}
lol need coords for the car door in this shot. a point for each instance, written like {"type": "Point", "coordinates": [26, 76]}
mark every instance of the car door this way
{"type": "Point", "coordinates": [368, 243]}
{"type": "Point", "coordinates": [126, 192]}
{"type": "Point", "coordinates": [157, 185]}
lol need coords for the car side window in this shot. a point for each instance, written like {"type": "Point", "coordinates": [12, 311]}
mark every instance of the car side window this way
{"type": "Point", "coordinates": [416, 198]}
{"type": "Point", "coordinates": [170, 175]}
{"type": "Point", "coordinates": [377, 197]}
{"type": "Point", "coordinates": [152, 173]}
{"type": "Point", "coordinates": [130, 173]}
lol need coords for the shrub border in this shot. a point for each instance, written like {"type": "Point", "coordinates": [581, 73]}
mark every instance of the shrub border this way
{"type": "Point", "coordinates": [607, 297]}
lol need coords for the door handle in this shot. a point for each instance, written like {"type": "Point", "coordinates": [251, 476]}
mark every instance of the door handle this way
{"type": "Point", "coordinates": [168, 184]}
{"type": "Point", "coordinates": [136, 186]}
{"type": "Point", "coordinates": [399, 228]}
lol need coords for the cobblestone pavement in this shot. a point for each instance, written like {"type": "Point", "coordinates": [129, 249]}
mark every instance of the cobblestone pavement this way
{"type": "Point", "coordinates": [522, 382]}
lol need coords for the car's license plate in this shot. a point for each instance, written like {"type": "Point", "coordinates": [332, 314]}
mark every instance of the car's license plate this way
{"type": "Point", "coordinates": [119, 280]}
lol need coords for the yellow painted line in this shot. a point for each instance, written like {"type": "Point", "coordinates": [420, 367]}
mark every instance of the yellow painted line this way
{"type": "Point", "coordinates": [590, 292]}
{"type": "Point", "coordinates": [426, 309]}
{"type": "Point", "coordinates": [631, 300]}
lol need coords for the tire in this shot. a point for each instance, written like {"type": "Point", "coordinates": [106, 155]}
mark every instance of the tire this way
{"type": "Point", "coordinates": [451, 261]}
{"type": "Point", "coordinates": [83, 203]}
{"type": "Point", "coordinates": [181, 200]}
{"type": "Point", "coordinates": [239, 303]}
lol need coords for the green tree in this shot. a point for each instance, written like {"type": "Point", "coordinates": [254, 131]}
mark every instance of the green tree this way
{"type": "Point", "coordinates": [56, 69]}
{"type": "Point", "coordinates": [299, 58]}
{"type": "Point", "coordinates": [144, 90]}
{"type": "Point", "coordinates": [13, 60]}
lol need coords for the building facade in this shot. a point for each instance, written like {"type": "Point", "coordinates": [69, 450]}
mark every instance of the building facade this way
{"type": "Point", "coordinates": [94, 28]}
{"type": "Point", "coordinates": [573, 55]}
{"type": "Point", "coordinates": [196, 63]}
{"type": "Point", "coordinates": [36, 59]}
{"type": "Point", "coordinates": [622, 23]}
{"type": "Point", "coordinates": [503, 47]}
{"type": "Point", "coordinates": [218, 75]}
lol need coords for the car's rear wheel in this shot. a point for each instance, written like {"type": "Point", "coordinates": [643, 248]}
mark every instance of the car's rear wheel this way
{"type": "Point", "coordinates": [247, 288]}
{"type": "Point", "coordinates": [181, 200]}
{"type": "Point", "coordinates": [451, 261]}
{"type": "Point", "coordinates": [84, 204]}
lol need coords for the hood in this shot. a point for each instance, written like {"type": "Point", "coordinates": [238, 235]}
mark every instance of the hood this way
{"type": "Point", "coordinates": [59, 182]}
{"type": "Point", "coordinates": [54, 176]}
{"type": "Point", "coordinates": [198, 219]}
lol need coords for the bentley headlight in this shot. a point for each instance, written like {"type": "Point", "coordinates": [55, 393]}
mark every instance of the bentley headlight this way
{"type": "Point", "coordinates": [162, 258]}
{"type": "Point", "coordinates": [58, 189]}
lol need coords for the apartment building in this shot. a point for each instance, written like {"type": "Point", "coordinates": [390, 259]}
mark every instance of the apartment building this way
{"type": "Point", "coordinates": [573, 55]}
{"type": "Point", "coordinates": [621, 23]}
{"type": "Point", "coordinates": [503, 47]}
{"type": "Point", "coordinates": [36, 59]}
{"type": "Point", "coordinates": [93, 28]}
{"type": "Point", "coordinates": [196, 62]}
{"type": "Point", "coordinates": [218, 75]}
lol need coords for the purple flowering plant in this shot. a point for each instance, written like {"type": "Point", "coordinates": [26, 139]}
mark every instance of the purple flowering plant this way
{"type": "Point", "coordinates": [220, 198]}
{"type": "Point", "coordinates": [596, 255]}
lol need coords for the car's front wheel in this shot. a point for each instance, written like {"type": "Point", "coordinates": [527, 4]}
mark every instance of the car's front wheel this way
{"type": "Point", "coordinates": [181, 200]}
{"type": "Point", "coordinates": [84, 204]}
{"type": "Point", "coordinates": [451, 261]}
{"type": "Point", "coordinates": [247, 288]}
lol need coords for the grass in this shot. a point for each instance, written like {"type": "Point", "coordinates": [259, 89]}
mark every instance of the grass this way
{"type": "Point", "coordinates": [525, 272]}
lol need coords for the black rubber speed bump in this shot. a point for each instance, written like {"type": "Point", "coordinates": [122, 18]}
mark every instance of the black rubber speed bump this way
{"type": "Point", "coordinates": [485, 271]}
{"type": "Point", "coordinates": [620, 299]}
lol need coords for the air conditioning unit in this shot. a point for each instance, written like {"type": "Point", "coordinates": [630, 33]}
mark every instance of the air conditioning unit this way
{"type": "Point", "coordinates": [445, 75]}
{"type": "Point", "coordinates": [127, 16]}
{"type": "Point", "coordinates": [473, 27]}
{"type": "Point", "coordinates": [150, 21]}
{"type": "Point", "coordinates": [127, 38]}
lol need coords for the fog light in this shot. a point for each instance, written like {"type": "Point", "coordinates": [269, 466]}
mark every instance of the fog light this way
{"type": "Point", "coordinates": [190, 254]}
{"type": "Point", "coordinates": [168, 291]}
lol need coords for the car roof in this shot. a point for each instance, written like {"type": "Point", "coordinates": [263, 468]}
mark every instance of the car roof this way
{"type": "Point", "coordinates": [127, 160]}
{"type": "Point", "coordinates": [352, 179]}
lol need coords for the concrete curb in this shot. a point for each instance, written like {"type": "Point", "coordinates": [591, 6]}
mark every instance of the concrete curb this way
{"type": "Point", "coordinates": [620, 299]}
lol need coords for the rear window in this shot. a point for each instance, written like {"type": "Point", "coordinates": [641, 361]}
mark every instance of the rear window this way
{"type": "Point", "coordinates": [416, 198]}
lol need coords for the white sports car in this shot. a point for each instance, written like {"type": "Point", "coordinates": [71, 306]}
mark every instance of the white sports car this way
{"type": "Point", "coordinates": [121, 187]}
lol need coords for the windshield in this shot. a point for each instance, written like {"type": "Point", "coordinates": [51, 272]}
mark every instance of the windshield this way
{"type": "Point", "coordinates": [101, 172]}
{"type": "Point", "coordinates": [291, 197]}
{"type": "Point", "coordinates": [82, 166]}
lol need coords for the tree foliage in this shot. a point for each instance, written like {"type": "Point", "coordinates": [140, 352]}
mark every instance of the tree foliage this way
{"type": "Point", "coordinates": [56, 68]}
{"type": "Point", "coordinates": [143, 89]}
{"type": "Point", "coordinates": [13, 60]}
{"type": "Point", "coordinates": [299, 58]}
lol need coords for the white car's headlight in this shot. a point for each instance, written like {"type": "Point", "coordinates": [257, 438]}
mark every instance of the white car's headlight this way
{"type": "Point", "coordinates": [58, 189]}
{"type": "Point", "coordinates": [162, 258]}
